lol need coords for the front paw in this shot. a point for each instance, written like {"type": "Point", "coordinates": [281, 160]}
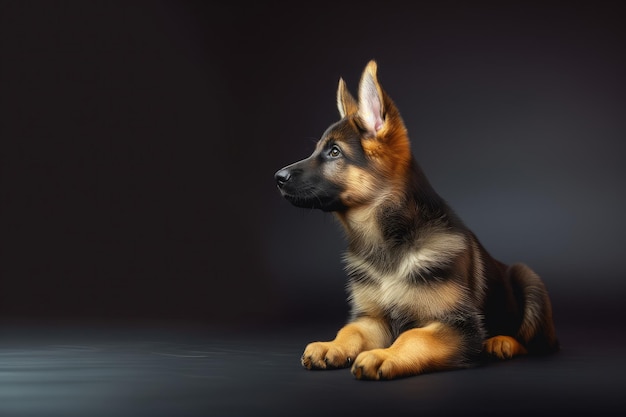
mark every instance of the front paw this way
{"type": "Point", "coordinates": [326, 355]}
{"type": "Point", "coordinates": [375, 364]}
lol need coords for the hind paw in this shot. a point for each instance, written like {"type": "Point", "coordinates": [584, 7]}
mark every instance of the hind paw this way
{"type": "Point", "coordinates": [504, 347]}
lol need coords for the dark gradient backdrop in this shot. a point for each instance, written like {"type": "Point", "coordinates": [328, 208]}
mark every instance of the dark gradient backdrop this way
{"type": "Point", "coordinates": [139, 142]}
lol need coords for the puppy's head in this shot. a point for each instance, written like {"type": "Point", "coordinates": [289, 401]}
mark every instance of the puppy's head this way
{"type": "Point", "coordinates": [359, 159]}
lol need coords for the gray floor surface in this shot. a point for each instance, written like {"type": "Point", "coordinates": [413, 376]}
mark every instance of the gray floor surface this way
{"type": "Point", "coordinates": [166, 369]}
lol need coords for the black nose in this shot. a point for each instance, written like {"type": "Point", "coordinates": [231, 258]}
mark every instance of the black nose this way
{"type": "Point", "coordinates": [282, 177]}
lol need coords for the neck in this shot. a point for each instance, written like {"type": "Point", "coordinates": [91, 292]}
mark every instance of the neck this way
{"type": "Point", "coordinates": [396, 217]}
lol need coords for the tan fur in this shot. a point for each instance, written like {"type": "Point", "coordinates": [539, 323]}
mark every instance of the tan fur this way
{"type": "Point", "coordinates": [424, 293]}
{"type": "Point", "coordinates": [354, 338]}
{"type": "Point", "coordinates": [504, 347]}
{"type": "Point", "coordinates": [390, 148]}
{"type": "Point", "coordinates": [414, 351]}
{"type": "Point", "coordinates": [357, 222]}
{"type": "Point", "coordinates": [391, 290]}
{"type": "Point", "coordinates": [361, 187]}
{"type": "Point", "coordinates": [427, 303]}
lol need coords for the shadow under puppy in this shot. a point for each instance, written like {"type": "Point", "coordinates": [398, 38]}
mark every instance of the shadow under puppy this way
{"type": "Point", "coordinates": [424, 293]}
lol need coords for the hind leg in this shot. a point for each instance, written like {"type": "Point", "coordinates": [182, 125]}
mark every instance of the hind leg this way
{"type": "Point", "coordinates": [504, 347]}
{"type": "Point", "coordinates": [434, 347]}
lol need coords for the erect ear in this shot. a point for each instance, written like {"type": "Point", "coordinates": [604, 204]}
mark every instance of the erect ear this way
{"type": "Point", "coordinates": [370, 100]}
{"type": "Point", "coordinates": [345, 102]}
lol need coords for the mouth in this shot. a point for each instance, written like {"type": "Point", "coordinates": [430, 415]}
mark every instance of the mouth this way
{"type": "Point", "coordinates": [300, 201]}
{"type": "Point", "coordinates": [312, 200]}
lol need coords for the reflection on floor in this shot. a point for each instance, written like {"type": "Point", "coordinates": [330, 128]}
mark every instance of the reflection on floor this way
{"type": "Point", "coordinates": [183, 370]}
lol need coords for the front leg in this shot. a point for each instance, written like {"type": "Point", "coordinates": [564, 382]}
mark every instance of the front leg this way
{"type": "Point", "coordinates": [433, 347]}
{"type": "Point", "coordinates": [362, 334]}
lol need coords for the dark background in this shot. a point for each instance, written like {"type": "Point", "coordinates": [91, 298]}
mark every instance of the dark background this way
{"type": "Point", "coordinates": [149, 266]}
{"type": "Point", "coordinates": [139, 142]}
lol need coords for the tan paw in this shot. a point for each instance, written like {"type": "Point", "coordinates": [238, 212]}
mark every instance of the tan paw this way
{"type": "Point", "coordinates": [504, 347]}
{"type": "Point", "coordinates": [326, 355]}
{"type": "Point", "coordinates": [375, 364]}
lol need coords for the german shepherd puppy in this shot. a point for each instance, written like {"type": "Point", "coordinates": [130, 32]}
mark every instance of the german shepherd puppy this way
{"type": "Point", "coordinates": [424, 293]}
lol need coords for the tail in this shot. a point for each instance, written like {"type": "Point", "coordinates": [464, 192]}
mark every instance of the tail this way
{"type": "Point", "coordinates": [536, 331]}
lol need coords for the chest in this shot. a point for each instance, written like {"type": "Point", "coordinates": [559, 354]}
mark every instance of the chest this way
{"type": "Point", "coordinates": [397, 299]}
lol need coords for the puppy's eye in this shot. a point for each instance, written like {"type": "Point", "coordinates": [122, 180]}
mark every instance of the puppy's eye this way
{"type": "Point", "coordinates": [334, 152]}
